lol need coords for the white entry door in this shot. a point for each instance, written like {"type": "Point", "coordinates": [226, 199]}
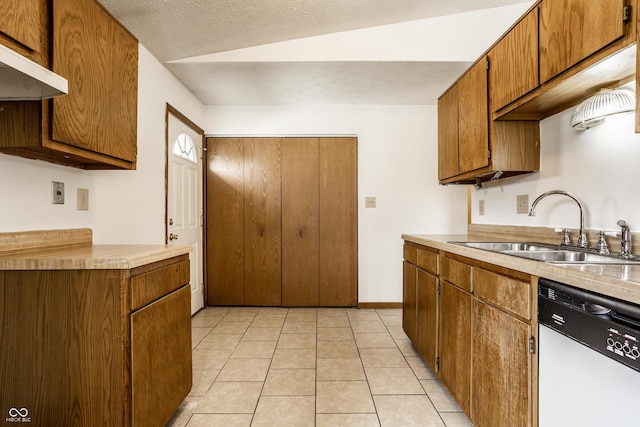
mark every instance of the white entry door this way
{"type": "Point", "coordinates": [184, 198]}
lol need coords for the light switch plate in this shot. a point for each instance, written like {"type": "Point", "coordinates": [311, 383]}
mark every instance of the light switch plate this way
{"type": "Point", "coordinates": [369, 202]}
{"type": "Point", "coordinates": [522, 201]}
{"type": "Point", "coordinates": [83, 199]}
{"type": "Point", "coordinates": [480, 207]}
{"type": "Point", "coordinates": [57, 193]}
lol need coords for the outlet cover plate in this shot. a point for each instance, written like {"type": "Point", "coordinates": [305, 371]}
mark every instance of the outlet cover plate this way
{"type": "Point", "coordinates": [522, 202]}
{"type": "Point", "coordinates": [57, 193]}
{"type": "Point", "coordinates": [369, 202]}
{"type": "Point", "coordinates": [480, 207]}
{"type": "Point", "coordinates": [83, 199]}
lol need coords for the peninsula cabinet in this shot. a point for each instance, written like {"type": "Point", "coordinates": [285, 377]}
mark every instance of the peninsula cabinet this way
{"type": "Point", "coordinates": [95, 125]}
{"type": "Point", "coordinates": [107, 346]}
{"type": "Point", "coordinates": [282, 221]}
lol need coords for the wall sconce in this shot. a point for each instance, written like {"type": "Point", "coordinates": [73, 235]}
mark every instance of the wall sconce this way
{"type": "Point", "coordinates": [594, 110]}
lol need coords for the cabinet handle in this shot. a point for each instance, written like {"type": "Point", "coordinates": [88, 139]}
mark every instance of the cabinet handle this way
{"type": "Point", "coordinates": [300, 230]}
{"type": "Point", "coordinates": [173, 236]}
{"type": "Point", "coordinates": [261, 231]}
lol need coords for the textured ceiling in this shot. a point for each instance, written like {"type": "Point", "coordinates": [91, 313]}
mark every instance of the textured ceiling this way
{"type": "Point", "coordinates": [176, 29]}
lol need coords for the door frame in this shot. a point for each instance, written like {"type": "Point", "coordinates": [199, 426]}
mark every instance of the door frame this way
{"type": "Point", "coordinates": [167, 151]}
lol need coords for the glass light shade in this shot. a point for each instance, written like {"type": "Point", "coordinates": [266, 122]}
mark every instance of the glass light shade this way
{"type": "Point", "coordinates": [594, 110]}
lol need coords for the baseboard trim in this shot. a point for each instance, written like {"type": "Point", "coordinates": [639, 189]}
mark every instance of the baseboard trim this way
{"type": "Point", "coordinates": [380, 305]}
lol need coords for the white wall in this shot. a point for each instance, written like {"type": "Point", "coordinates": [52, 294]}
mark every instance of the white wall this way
{"type": "Point", "coordinates": [124, 206]}
{"type": "Point", "coordinates": [599, 166]}
{"type": "Point", "coordinates": [397, 163]}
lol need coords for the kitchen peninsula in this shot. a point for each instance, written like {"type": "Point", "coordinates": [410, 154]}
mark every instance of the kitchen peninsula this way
{"type": "Point", "coordinates": [92, 334]}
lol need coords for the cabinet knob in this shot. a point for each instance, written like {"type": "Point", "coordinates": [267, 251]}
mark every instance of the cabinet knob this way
{"type": "Point", "coordinates": [300, 231]}
{"type": "Point", "coordinates": [173, 236]}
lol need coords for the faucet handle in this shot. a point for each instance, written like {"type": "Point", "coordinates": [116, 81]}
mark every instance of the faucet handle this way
{"type": "Point", "coordinates": [601, 246]}
{"type": "Point", "coordinates": [566, 241]}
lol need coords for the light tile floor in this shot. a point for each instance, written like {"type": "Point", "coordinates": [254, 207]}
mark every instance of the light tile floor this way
{"type": "Point", "coordinates": [310, 367]}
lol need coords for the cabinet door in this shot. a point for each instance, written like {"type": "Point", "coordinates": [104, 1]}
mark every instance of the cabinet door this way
{"type": "Point", "coordinates": [514, 63]}
{"type": "Point", "coordinates": [501, 366]}
{"type": "Point", "coordinates": [20, 21]}
{"type": "Point", "coordinates": [338, 222]}
{"type": "Point", "coordinates": [100, 60]}
{"type": "Point", "coordinates": [161, 364]}
{"type": "Point", "coordinates": [225, 221]}
{"type": "Point", "coordinates": [448, 134]}
{"type": "Point", "coordinates": [455, 342]}
{"type": "Point", "coordinates": [427, 317]}
{"type": "Point", "coordinates": [473, 114]}
{"type": "Point", "coordinates": [571, 30]}
{"type": "Point", "coordinates": [262, 227]}
{"type": "Point", "coordinates": [300, 222]}
{"type": "Point", "coordinates": [409, 303]}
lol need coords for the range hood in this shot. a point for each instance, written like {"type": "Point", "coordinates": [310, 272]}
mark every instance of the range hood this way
{"type": "Point", "coordinates": [23, 80]}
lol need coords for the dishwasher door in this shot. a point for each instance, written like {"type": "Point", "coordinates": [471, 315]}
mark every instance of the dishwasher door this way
{"type": "Point", "coordinates": [580, 387]}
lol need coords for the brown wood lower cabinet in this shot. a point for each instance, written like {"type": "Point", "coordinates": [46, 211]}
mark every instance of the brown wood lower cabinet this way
{"type": "Point", "coordinates": [96, 347]}
{"type": "Point", "coordinates": [282, 221]}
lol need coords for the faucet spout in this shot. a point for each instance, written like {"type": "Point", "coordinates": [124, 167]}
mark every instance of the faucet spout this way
{"type": "Point", "coordinates": [582, 238]}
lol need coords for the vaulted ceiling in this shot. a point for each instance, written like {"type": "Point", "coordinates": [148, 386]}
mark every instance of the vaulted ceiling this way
{"type": "Point", "coordinates": [191, 38]}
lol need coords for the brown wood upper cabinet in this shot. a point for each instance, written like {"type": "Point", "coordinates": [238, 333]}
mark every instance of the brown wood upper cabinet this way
{"type": "Point", "coordinates": [95, 125]}
{"type": "Point", "coordinates": [20, 27]}
{"type": "Point", "coordinates": [572, 30]}
{"type": "Point", "coordinates": [514, 63]}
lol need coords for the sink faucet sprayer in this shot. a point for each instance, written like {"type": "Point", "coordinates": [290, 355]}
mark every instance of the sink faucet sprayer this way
{"type": "Point", "coordinates": [582, 239]}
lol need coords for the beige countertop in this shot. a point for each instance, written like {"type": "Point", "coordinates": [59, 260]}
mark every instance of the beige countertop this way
{"type": "Point", "coordinates": [619, 281]}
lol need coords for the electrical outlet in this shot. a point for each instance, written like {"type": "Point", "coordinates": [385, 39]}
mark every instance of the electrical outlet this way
{"type": "Point", "coordinates": [83, 199]}
{"type": "Point", "coordinates": [57, 193]}
{"type": "Point", "coordinates": [522, 203]}
{"type": "Point", "coordinates": [369, 202]}
{"type": "Point", "coordinates": [481, 207]}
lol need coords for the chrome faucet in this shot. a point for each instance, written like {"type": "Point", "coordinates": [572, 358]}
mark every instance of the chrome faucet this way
{"type": "Point", "coordinates": [625, 240]}
{"type": "Point", "coordinates": [582, 238]}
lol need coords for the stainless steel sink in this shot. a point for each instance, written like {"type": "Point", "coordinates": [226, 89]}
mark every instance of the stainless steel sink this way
{"type": "Point", "coordinates": [548, 253]}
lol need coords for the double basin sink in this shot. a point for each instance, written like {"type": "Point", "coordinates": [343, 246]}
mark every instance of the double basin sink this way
{"type": "Point", "coordinates": [548, 253]}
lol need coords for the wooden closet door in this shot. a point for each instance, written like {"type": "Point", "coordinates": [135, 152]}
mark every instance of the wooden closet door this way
{"type": "Point", "coordinates": [300, 222]}
{"type": "Point", "coordinates": [338, 222]}
{"type": "Point", "coordinates": [262, 237]}
{"type": "Point", "coordinates": [225, 221]}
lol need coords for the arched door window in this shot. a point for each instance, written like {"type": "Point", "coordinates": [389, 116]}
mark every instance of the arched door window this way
{"type": "Point", "coordinates": [183, 147]}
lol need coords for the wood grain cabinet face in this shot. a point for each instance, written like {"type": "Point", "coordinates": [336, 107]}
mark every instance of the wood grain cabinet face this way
{"type": "Point", "coordinates": [409, 303]}
{"type": "Point", "coordinates": [427, 317]}
{"type": "Point", "coordinates": [20, 21]}
{"type": "Point", "coordinates": [513, 60]}
{"type": "Point", "coordinates": [571, 30]}
{"type": "Point", "coordinates": [448, 134]}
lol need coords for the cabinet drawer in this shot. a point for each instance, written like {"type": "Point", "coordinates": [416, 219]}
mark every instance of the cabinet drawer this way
{"type": "Point", "coordinates": [410, 254]}
{"type": "Point", "coordinates": [504, 292]}
{"type": "Point", "coordinates": [428, 260]}
{"type": "Point", "coordinates": [457, 273]}
{"type": "Point", "coordinates": [150, 286]}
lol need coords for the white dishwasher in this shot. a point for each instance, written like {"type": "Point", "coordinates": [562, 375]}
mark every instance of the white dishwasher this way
{"type": "Point", "coordinates": [589, 358]}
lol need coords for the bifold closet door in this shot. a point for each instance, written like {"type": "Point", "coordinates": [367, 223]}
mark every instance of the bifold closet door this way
{"type": "Point", "coordinates": [338, 222]}
{"type": "Point", "coordinates": [225, 221]}
{"type": "Point", "coordinates": [262, 227]}
{"type": "Point", "coordinates": [300, 222]}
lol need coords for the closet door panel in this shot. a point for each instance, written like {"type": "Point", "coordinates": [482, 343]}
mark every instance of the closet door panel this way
{"type": "Point", "coordinates": [338, 222]}
{"type": "Point", "coordinates": [262, 204]}
{"type": "Point", "coordinates": [300, 222]}
{"type": "Point", "coordinates": [225, 221]}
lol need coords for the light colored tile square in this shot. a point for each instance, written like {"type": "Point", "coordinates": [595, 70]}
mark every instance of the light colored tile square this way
{"type": "Point", "coordinates": [391, 320]}
{"type": "Point", "coordinates": [328, 349]}
{"type": "Point", "coordinates": [382, 358]}
{"type": "Point", "coordinates": [374, 340]}
{"type": "Point", "coordinates": [197, 334]}
{"type": "Point", "coordinates": [334, 322]}
{"type": "Point", "coordinates": [291, 327]}
{"type": "Point", "coordinates": [267, 322]}
{"type": "Point", "coordinates": [209, 359]}
{"type": "Point", "coordinates": [297, 341]}
{"type": "Point", "coordinates": [455, 419]}
{"type": "Point", "coordinates": [202, 380]}
{"type": "Point", "coordinates": [340, 397]}
{"type": "Point", "coordinates": [275, 312]}
{"type": "Point", "coordinates": [407, 348]}
{"type": "Point", "coordinates": [440, 396]}
{"type": "Point", "coordinates": [231, 326]}
{"type": "Point", "coordinates": [285, 411]}
{"type": "Point", "coordinates": [231, 398]}
{"type": "Point", "coordinates": [362, 314]}
{"type": "Point", "coordinates": [340, 369]}
{"type": "Point", "coordinates": [244, 370]}
{"type": "Point", "coordinates": [220, 420]}
{"type": "Point", "coordinates": [290, 382]}
{"type": "Point", "coordinates": [407, 411]}
{"type": "Point", "coordinates": [367, 326]}
{"type": "Point", "coordinates": [299, 358]}
{"type": "Point", "coordinates": [331, 312]}
{"type": "Point", "coordinates": [397, 333]}
{"type": "Point", "coordinates": [387, 312]}
{"type": "Point", "coordinates": [347, 420]}
{"type": "Point", "coordinates": [213, 311]}
{"type": "Point", "coordinates": [335, 334]}
{"type": "Point", "coordinates": [393, 381]}
{"type": "Point", "coordinates": [254, 350]}
{"type": "Point", "coordinates": [243, 312]}
{"type": "Point", "coordinates": [420, 368]}
{"type": "Point", "coordinates": [219, 341]}
{"type": "Point", "coordinates": [261, 334]}
{"type": "Point", "coordinates": [302, 315]}
{"type": "Point", "coordinates": [205, 321]}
